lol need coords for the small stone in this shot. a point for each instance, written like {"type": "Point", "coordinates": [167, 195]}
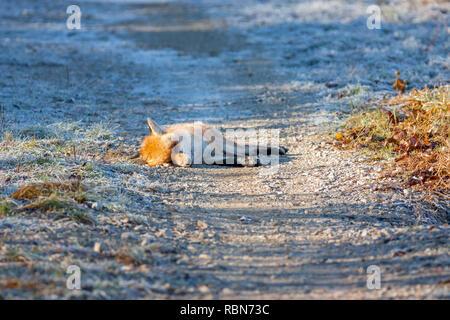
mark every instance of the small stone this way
{"type": "Point", "coordinates": [157, 288]}
{"type": "Point", "coordinates": [161, 248]}
{"type": "Point", "coordinates": [97, 247]}
{"type": "Point", "coordinates": [158, 187]}
{"type": "Point", "coordinates": [161, 233]}
{"type": "Point", "coordinates": [97, 206]}
{"type": "Point", "coordinates": [127, 267]}
{"type": "Point", "coordinates": [201, 224]}
{"type": "Point", "coordinates": [227, 292]}
{"type": "Point", "coordinates": [203, 289]}
{"type": "Point", "coordinates": [129, 236]}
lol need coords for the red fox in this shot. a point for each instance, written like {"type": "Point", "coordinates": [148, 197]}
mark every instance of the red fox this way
{"type": "Point", "coordinates": [177, 144]}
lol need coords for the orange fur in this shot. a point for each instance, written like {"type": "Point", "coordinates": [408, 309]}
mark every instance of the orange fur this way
{"type": "Point", "coordinates": [155, 151]}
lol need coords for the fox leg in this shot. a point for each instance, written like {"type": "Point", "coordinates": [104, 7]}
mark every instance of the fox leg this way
{"type": "Point", "coordinates": [269, 150]}
{"type": "Point", "coordinates": [228, 152]}
{"type": "Point", "coordinates": [181, 159]}
{"type": "Point", "coordinates": [234, 161]}
{"type": "Point", "coordinates": [241, 149]}
{"type": "Point", "coordinates": [253, 150]}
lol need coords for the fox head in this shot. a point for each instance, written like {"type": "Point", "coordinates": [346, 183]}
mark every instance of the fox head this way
{"type": "Point", "coordinates": [156, 149]}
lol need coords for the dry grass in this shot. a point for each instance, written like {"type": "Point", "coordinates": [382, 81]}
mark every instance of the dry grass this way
{"type": "Point", "coordinates": [132, 256]}
{"type": "Point", "coordinates": [413, 130]}
{"type": "Point", "coordinates": [45, 189]}
{"type": "Point", "coordinates": [58, 199]}
{"type": "Point", "coordinates": [60, 208]}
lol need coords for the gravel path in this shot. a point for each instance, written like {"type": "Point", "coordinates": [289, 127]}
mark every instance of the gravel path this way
{"type": "Point", "coordinates": [76, 102]}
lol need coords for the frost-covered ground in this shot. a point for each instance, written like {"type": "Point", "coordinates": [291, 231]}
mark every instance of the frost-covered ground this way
{"type": "Point", "coordinates": [74, 105]}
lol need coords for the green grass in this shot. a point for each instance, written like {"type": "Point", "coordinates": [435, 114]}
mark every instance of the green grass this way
{"type": "Point", "coordinates": [6, 207]}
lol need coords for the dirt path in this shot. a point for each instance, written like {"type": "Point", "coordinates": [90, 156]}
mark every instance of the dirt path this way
{"type": "Point", "coordinates": [313, 226]}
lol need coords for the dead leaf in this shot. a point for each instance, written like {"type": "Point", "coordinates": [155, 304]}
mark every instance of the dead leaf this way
{"type": "Point", "coordinates": [392, 117]}
{"type": "Point", "coordinates": [399, 253]}
{"type": "Point", "coordinates": [161, 233]}
{"type": "Point", "coordinates": [399, 84]}
{"type": "Point", "coordinates": [201, 224]}
{"type": "Point", "coordinates": [13, 284]}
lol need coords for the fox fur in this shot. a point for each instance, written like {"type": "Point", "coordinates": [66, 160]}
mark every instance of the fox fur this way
{"type": "Point", "coordinates": [164, 146]}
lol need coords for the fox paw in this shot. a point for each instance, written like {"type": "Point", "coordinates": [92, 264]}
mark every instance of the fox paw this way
{"type": "Point", "coordinates": [282, 150]}
{"type": "Point", "coordinates": [181, 160]}
{"type": "Point", "coordinates": [248, 161]}
{"type": "Point", "coordinates": [276, 150]}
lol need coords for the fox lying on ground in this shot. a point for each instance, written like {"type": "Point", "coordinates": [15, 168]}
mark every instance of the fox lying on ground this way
{"type": "Point", "coordinates": [176, 144]}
